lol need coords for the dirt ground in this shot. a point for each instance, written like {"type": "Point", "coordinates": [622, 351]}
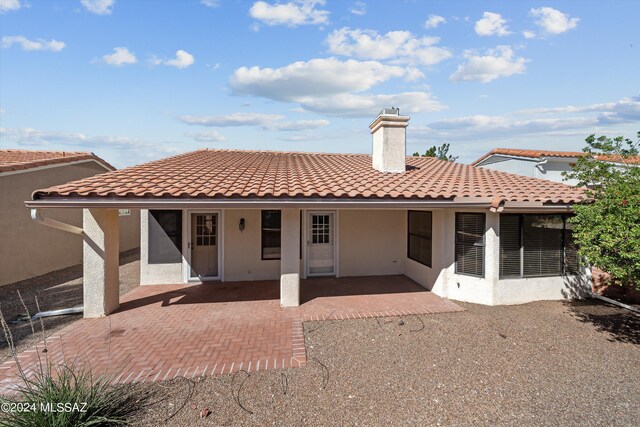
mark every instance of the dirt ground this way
{"type": "Point", "coordinates": [60, 289]}
{"type": "Point", "coordinates": [544, 363]}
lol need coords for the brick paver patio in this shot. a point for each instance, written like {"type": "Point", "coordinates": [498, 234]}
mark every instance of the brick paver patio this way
{"type": "Point", "coordinates": [166, 331]}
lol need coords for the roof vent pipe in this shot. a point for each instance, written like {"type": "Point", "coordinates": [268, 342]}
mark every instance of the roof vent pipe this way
{"type": "Point", "coordinates": [389, 141]}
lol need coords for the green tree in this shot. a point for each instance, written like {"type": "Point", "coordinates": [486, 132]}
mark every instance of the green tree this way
{"type": "Point", "coordinates": [607, 226]}
{"type": "Point", "coordinates": [441, 153]}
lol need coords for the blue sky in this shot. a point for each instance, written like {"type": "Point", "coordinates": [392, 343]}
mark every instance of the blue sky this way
{"type": "Point", "coordinates": [135, 80]}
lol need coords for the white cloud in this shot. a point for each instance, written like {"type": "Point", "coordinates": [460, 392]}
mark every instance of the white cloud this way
{"type": "Point", "coordinates": [528, 34]}
{"type": "Point", "coordinates": [552, 21]}
{"type": "Point", "coordinates": [206, 136]}
{"type": "Point", "coordinates": [498, 62]}
{"type": "Point", "coordinates": [295, 125]}
{"type": "Point", "coordinates": [492, 24]}
{"type": "Point", "coordinates": [398, 46]}
{"type": "Point", "coordinates": [99, 7]}
{"type": "Point", "coordinates": [359, 8]}
{"type": "Point", "coordinates": [211, 3]}
{"type": "Point", "coordinates": [329, 86]}
{"type": "Point", "coordinates": [29, 45]}
{"type": "Point", "coordinates": [119, 57]}
{"type": "Point", "coordinates": [183, 60]}
{"type": "Point", "coordinates": [234, 119]}
{"type": "Point", "coordinates": [35, 137]}
{"type": "Point", "coordinates": [272, 122]}
{"type": "Point", "coordinates": [433, 21]}
{"type": "Point", "coordinates": [368, 105]}
{"type": "Point", "coordinates": [9, 5]}
{"type": "Point", "coordinates": [317, 77]}
{"type": "Point", "coordinates": [568, 120]}
{"type": "Point", "coordinates": [292, 14]}
{"type": "Point", "coordinates": [626, 110]}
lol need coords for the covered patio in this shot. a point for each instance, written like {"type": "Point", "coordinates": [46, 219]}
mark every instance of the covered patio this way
{"type": "Point", "coordinates": [165, 331]}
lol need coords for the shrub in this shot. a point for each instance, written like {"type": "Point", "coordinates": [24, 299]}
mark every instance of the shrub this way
{"type": "Point", "coordinates": [97, 401]}
{"type": "Point", "coordinates": [67, 395]}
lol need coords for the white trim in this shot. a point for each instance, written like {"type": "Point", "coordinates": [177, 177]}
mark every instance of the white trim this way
{"type": "Point", "coordinates": [334, 236]}
{"type": "Point", "coordinates": [303, 237]}
{"type": "Point", "coordinates": [186, 236]}
{"type": "Point", "coordinates": [55, 165]}
{"type": "Point", "coordinates": [309, 203]}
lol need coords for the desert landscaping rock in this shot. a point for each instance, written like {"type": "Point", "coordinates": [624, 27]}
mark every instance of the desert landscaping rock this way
{"type": "Point", "coordinates": [544, 363]}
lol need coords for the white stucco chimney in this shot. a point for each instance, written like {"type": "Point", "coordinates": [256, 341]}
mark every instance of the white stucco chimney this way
{"type": "Point", "coordinates": [389, 140]}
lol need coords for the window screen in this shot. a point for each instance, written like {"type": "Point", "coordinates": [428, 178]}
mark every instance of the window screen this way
{"type": "Point", "coordinates": [271, 222]}
{"type": "Point", "coordinates": [542, 248]}
{"type": "Point", "coordinates": [165, 237]}
{"type": "Point", "coordinates": [510, 246]}
{"type": "Point", "coordinates": [470, 229]}
{"type": "Point", "coordinates": [536, 245]}
{"type": "Point", "coordinates": [419, 240]}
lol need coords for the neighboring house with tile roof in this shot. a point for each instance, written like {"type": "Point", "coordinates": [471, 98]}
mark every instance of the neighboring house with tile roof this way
{"type": "Point", "coordinates": [543, 164]}
{"type": "Point", "coordinates": [27, 249]}
{"type": "Point", "coordinates": [464, 232]}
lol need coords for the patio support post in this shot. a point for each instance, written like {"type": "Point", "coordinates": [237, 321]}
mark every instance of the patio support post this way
{"type": "Point", "coordinates": [492, 253]}
{"type": "Point", "coordinates": [290, 258]}
{"type": "Point", "coordinates": [101, 248]}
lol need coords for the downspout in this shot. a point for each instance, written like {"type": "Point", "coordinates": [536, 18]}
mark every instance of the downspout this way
{"type": "Point", "coordinates": [36, 216]}
{"type": "Point", "coordinates": [540, 163]}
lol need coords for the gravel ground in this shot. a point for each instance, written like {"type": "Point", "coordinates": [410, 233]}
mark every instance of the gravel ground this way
{"type": "Point", "coordinates": [544, 363]}
{"type": "Point", "coordinates": [59, 289]}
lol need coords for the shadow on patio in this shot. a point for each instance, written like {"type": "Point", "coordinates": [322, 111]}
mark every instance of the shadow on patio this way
{"type": "Point", "coordinates": [265, 290]}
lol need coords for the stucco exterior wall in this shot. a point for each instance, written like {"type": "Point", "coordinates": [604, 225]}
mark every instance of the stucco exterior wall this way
{"type": "Point", "coordinates": [242, 248]}
{"type": "Point", "coordinates": [490, 289]}
{"type": "Point", "coordinates": [156, 274]}
{"type": "Point", "coordinates": [374, 242]}
{"type": "Point", "coordinates": [433, 278]}
{"type": "Point", "coordinates": [28, 249]}
{"type": "Point", "coordinates": [551, 170]}
{"type": "Point", "coordinates": [441, 278]}
{"type": "Point", "coordinates": [522, 290]}
{"type": "Point", "coordinates": [522, 167]}
{"type": "Point", "coordinates": [371, 242]}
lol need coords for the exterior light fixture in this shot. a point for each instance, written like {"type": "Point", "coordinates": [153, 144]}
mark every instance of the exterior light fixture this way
{"type": "Point", "coordinates": [241, 224]}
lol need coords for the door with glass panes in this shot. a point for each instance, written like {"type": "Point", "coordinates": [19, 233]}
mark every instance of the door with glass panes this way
{"type": "Point", "coordinates": [204, 245]}
{"type": "Point", "coordinates": [321, 244]}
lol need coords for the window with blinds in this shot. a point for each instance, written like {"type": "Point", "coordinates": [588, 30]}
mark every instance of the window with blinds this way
{"type": "Point", "coordinates": [510, 246]}
{"type": "Point", "coordinates": [419, 240]}
{"type": "Point", "coordinates": [536, 245]}
{"type": "Point", "coordinates": [470, 228]}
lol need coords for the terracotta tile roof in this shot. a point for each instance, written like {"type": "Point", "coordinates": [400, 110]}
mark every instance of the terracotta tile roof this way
{"type": "Point", "coordinates": [241, 174]}
{"type": "Point", "coordinates": [536, 154]}
{"type": "Point", "coordinates": [14, 160]}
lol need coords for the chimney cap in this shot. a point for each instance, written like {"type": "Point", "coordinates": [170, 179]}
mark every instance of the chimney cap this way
{"type": "Point", "coordinates": [393, 111]}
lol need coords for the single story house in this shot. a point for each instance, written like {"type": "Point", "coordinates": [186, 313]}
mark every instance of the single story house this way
{"type": "Point", "coordinates": [543, 164]}
{"type": "Point", "coordinates": [26, 249]}
{"type": "Point", "coordinates": [465, 233]}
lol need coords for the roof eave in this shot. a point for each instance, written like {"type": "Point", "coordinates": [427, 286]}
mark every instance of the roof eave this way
{"type": "Point", "coordinates": [259, 203]}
